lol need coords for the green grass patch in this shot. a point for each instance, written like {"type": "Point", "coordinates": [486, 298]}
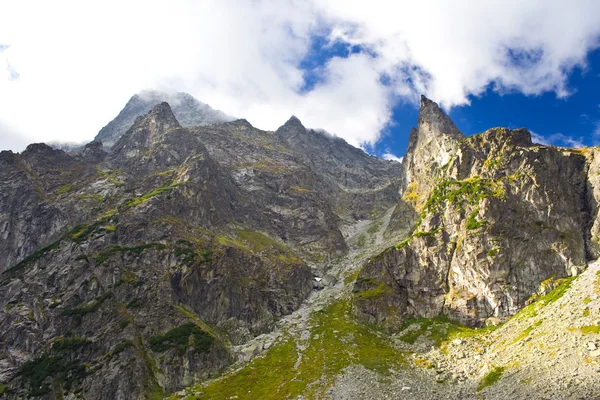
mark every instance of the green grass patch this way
{"type": "Point", "coordinates": [361, 241]}
{"type": "Point", "coordinates": [471, 191]}
{"type": "Point", "coordinates": [379, 291]}
{"type": "Point", "coordinates": [370, 288]}
{"type": "Point", "coordinates": [35, 372]}
{"type": "Point", "coordinates": [586, 330]}
{"type": "Point", "coordinates": [134, 303]}
{"type": "Point", "coordinates": [121, 347]}
{"type": "Point", "coordinates": [69, 344]}
{"type": "Point", "coordinates": [490, 378]}
{"type": "Point", "coordinates": [192, 256]}
{"type": "Point", "coordinates": [97, 197]}
{"type": "Point", "coordinates": [373, 228]}
{"type": "Point", "coordinates": [336, 342]}
{"type": "Point", "coordinates": [440, 330]}
{"type": "Point", "coordinates": [561, 286]}
{"type": "Point", "coordinates": [257, 243]}
{"type": "Point", "coordinates": [352, 277]}
{"type": "Point", "coordinates": [523, 334]}
{"type": "Point", "coordinates": [493, 252]}
{"type": "Point", "coordinates": [82, 232]}
{"type": "Point", "coordinates": [179, 338]}
{"type": "Point", "coordinates": [472, 222]}
{"type": "Point", "coordinates": [33, 257]}
{"type": "Point", "coordinates": [88, 308]}
{"type": "Point", "coordinates": [201, 324]}
{"type": "Point", "coordinates": [136, 201]}
{"type": "Point", "coordinates": [64, 189]}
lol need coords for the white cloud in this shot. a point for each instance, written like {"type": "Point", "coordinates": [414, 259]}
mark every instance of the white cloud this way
{"type": "Point", "coordinates": [391, 157]}
{"type": "Point", "coordinates": [69, 67]}
{"type": "Point", "coordinates": [557, 139]}
{"type": "Point", "coordinates": [539, 139]}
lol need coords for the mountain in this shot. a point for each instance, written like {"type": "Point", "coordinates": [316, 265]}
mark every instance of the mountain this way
{"type": "Point", "coordinates": [111, 261]}
{"type": "Point", "coordinates": [215, 260]}
{"type": "Point", "coordinates": [188, 111]}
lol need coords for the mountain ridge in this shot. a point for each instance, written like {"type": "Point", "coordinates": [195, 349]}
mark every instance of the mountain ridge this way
{"type": "Point", "coordinates": [182, 253]}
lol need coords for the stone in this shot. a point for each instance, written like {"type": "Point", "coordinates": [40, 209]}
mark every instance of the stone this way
{"type": "Point", "coordinates": [329, 280]}
{"type": "Point", "coordinates": [591, 346]}
{"type": "Point", "coordinates": [595, 353]}
{"type": "Point", "coordinates": [252, 350]}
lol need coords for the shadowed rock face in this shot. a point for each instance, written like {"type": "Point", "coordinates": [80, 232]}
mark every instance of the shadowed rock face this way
{"type": "Point", "coordinates": [129, 272]}
{"type": "Point", "coordinates": [499, 220]}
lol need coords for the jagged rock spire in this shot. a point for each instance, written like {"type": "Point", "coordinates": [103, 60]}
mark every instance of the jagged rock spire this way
{"type": "Point", "coordinates": [292, 124]}
{"type": "Point", "coordinates": [433, 120]}
{"type": "Point", "coordinates": [161, 119]}
{"type": "Point", "coordinates": [432, 142]}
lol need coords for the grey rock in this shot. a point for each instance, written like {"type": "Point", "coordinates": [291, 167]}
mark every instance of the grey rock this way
{"type": "Point", "coordinates": [329, 280]}
{"type": "Point", "coordinates": [489, 232]}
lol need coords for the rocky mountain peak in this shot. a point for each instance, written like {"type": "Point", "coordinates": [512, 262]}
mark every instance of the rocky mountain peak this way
{"type": "Point", "coordinates": [292, 125]}
{"type": "Point", "coordinates": [40, 155]}
{"type": "Point", "coordinates": [188, 111]}
{"type": "Point", "coordinates": [39, 148]}
{"type": "Point", "coordinates": [161, 118]}
{"type": "Point", "coordinates": [145, 132]}
{"type": "Point", "coordinates": [433, 120]}
{"type": "Point", "coordinates": [294, 122]}
{"type": "Point", "coordinates": [432, 142]}
{"type": "Point", "coordinates": [93, 152]}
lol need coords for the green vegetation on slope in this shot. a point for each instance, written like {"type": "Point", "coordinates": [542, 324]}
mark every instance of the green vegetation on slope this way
{"type": "Point", "coordinates": [471, 191]}
{"type": "Point", "coordinates": [376, 288]}
{"type": "Point", "coordinates": [439, 330]}
{"type": "Point", "coordinates": [35, 372]}
{"type": "Point", "coordinates": [179, 338]}
{"type": "Point", "coordinates": [490, 378]}
{"type": "Point", "coordinates": [336, 342]}
{"type": "Point", "coordinates": [80, 311]}
{"type": "Point", "coordinates": [561, 286]}
{"type": "Point", "coordinates": [257, 243]}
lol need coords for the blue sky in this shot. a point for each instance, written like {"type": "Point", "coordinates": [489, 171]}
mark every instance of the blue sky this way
{"type": "Point", "coordinates": [353, 68]}
{"type": "Point", "coordinates": [571, 121]}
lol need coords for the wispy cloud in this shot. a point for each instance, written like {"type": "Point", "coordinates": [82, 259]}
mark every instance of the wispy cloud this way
{"type": "Point", "coordinates": [391, 157]}
{"type": "Point", "coordinates": [557, 139]}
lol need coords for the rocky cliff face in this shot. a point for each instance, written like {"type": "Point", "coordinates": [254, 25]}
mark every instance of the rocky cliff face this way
{"type": "Point", "coordinates": [499, 220]}
{"type": "Point", "coordinates": [132, 273]}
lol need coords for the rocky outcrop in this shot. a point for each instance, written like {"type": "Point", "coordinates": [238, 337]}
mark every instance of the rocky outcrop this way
{"type": "Point", "coordinates": [499, 220]}
{"type": "Point", "coordinates": [93, 152]}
